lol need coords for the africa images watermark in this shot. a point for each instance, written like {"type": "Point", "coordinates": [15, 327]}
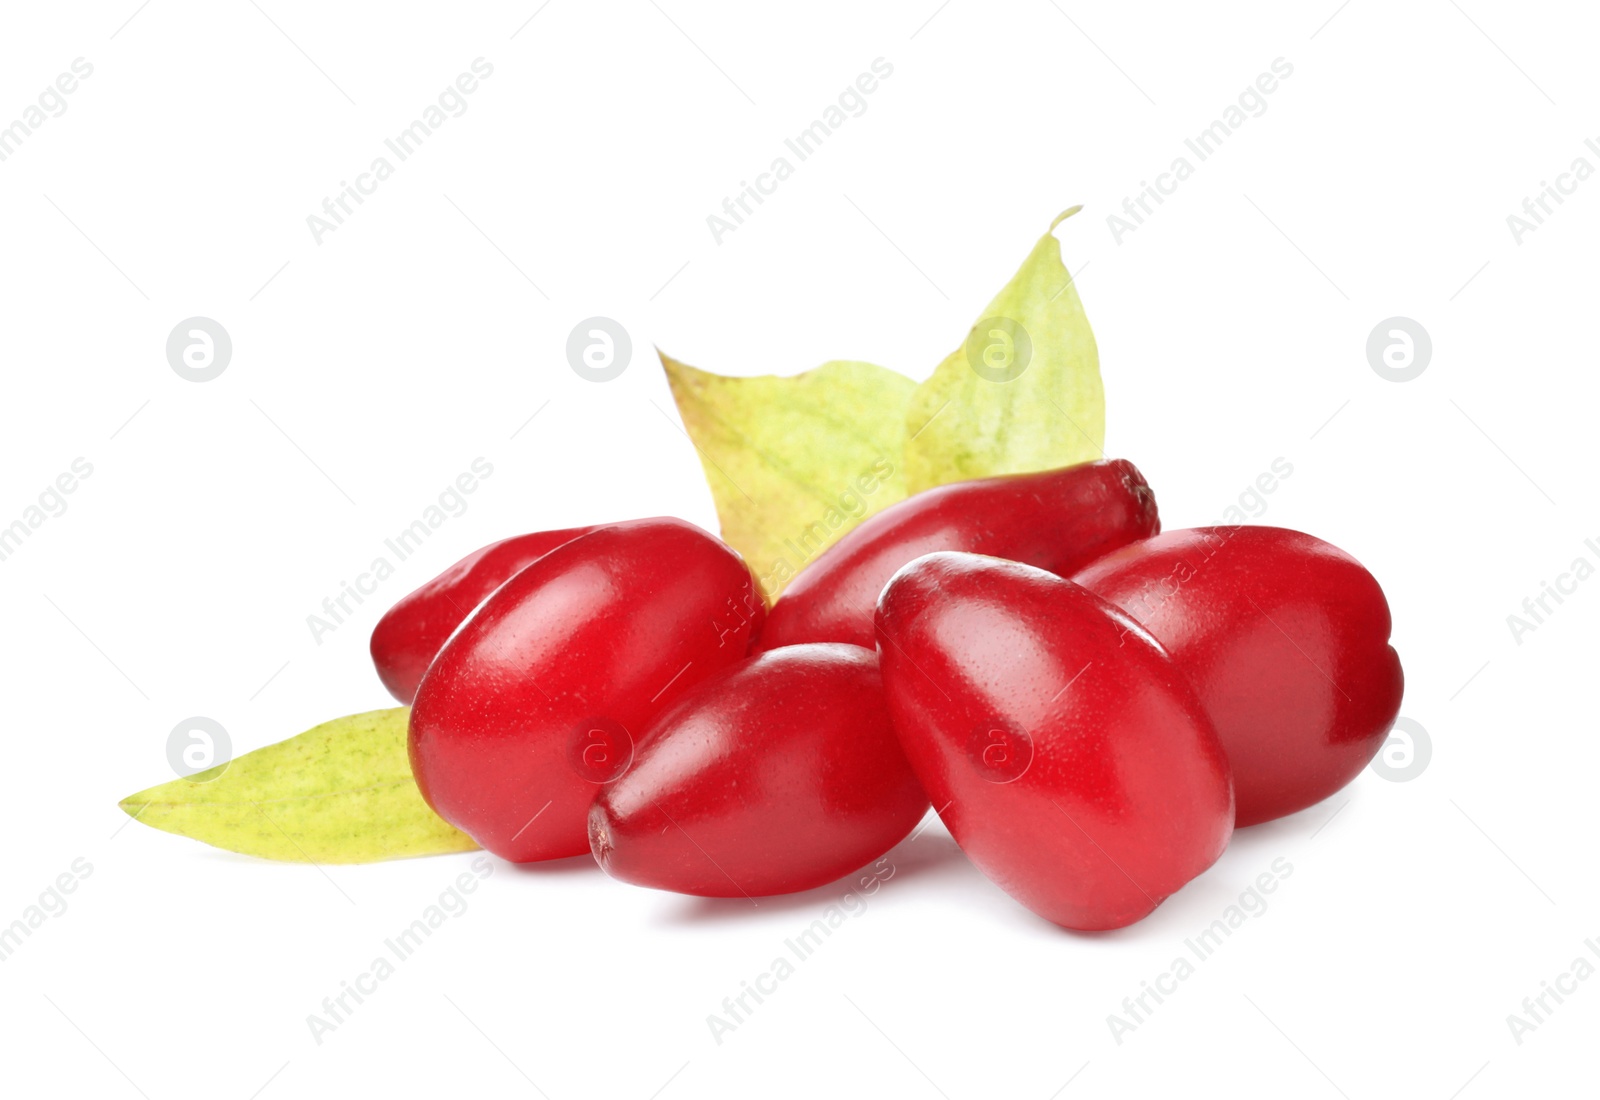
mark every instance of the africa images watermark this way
{"type": "Point", "coordinates": [1252, 502]}
{"type": "Point", "coordinates": [451, 903]}
{"type": "Point", "coordinates": [1537, 1009]}
{"type": "Point", "coordinates": [737, 1009]}
{"type": "Point", "coordinates": [851, 103]}
{"type": "Point", "coordinates": [1537, 207]}
{"type": "Point", "coordinates": [736, 614]}
{"type": "Point", "coordinates": [51, 103]}
{"type": "Point", "coordinates": [1202, 947]}
{"type": "Point", "coordinates": [1537, 609]}
{"type": "Point", "coordinates": [50, 504]}
{"type": "Point", "coordinates": [815, 537]}
{"type": "Point", "coordinates": [1250, 505]}
{"type": "Point", "coordinates": [336, 208]}
{"type": "Point", "coordinates": [1251, 103]}
{"type": "Point", "coordinates": [52, 903]}
{"type": "Point", "coordinates": [450, 504]}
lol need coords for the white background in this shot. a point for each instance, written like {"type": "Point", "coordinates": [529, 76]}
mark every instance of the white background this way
{"type": "Point", "coordinates": [369, 371]}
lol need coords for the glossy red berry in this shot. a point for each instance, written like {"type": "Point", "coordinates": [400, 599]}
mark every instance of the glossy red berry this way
{"type": "Point", "coordinates": [1059, 520]}
{"type": "Point", "coordinates": [411, 632]}
{"type": "Point", "coordinates": [1065, 751]}
{"type": "Point", "coordinates": [534, 703]}
{"type": "Point", "coordinates": [1285, 639]}
{"type": "Point", "coordinates": [779, 774]}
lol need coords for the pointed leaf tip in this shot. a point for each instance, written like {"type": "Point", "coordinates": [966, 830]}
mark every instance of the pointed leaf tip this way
{"type": "Point", "coordinates": [1022, 394]}
{"type": "Point", "coordinates": [341, 792]}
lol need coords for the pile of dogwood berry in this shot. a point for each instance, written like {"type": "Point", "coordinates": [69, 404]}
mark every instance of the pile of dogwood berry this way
{"type": "Point", "coordinates": [1092, 706]}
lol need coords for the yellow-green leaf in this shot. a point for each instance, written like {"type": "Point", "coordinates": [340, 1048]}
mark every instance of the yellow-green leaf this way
{"type": "Point", "coordinates": [1021, 394]}
{"type": "Point", "coordinates": [340, 792]}
{"type": "Point", "coordinates": [793, 463]}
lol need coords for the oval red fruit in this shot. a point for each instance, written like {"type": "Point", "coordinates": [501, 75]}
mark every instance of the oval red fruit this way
{"type": "Point", "coordinates": [1286, 641]}
{"type": "Point", "coordinates": [1059, 520]}
{"type": "Point", "coordinates": [413, 631]}
{"type": "Point", "coordinates": [779, 774]}
{"type": "Point", "coordinates": [535, 699]}
{"type": "Point", "coordinates": [1068, 756]}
